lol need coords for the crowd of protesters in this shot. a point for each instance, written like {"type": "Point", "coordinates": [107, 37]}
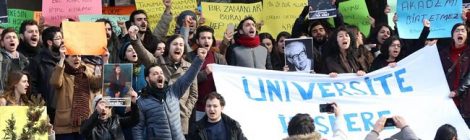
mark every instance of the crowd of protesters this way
{"type": "Point", "coordinates": [173, 90]}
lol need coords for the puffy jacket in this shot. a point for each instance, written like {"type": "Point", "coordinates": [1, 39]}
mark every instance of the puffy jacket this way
{"type": "Point", "coordinates": [161, 118]}
{"type": "Point", "coordinates": [232, 128]}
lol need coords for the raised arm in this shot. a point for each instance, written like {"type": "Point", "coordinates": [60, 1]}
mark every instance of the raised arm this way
{"type": "Point", "coordinates": [131, 121]}
{"type": "Point", "coordinates": [144, 55]}
{"type": "Point", "coordinates": [57, 75]}
{"type": "Point", "coordinates": [163, 25]}
{"type": "Point", "coordinates": [183, 83]}
{"type": "Point", "coordinates": [89, 124]}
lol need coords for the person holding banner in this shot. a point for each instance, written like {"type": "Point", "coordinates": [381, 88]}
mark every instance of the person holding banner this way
{"type": "Point", "coordinates": [339, 55]}
{"type": "Point", "coordinates": [159, 102]}
{"type": "Point", "coordinates": [216, 125]}
{"type": "Point", "coordinates": [74, 84]}
{"type": "Point", "coordinates": [362, 55]}
{"type": "Point", "coordinates": [454, 59]}
{"type": "Point", "coordinates": [247, 51]}
{"type": "Point", "coordinates": [393, 51]}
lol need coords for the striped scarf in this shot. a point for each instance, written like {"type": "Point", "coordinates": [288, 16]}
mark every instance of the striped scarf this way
{"type": "Point", "coordinates": [81, 95]}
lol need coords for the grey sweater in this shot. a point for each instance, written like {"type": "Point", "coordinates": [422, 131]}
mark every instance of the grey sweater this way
{"type": "Point", "coordinates": [256, 57]}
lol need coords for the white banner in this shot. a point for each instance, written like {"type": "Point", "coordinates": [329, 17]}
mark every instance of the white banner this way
{"type": "Point", "coordinates": [263, 101]}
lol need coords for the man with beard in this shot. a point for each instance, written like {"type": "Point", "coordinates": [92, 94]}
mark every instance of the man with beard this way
{"type": "Point", "coordinates": [205, 39]}
{"type": "Point", "coordinates": [174, 66]}
{"type": "Point", "coordinates": [73, 83]}
{"type": "Point", "coordinates": [247, 51]}
{"type": "Point", "coordinates": [42, 65]}
{"type": "Point", "coordinates": [159, 102]}
{"type": "Point", "coordinates": [149, 40]}
{"type": "Point", "coordinates": [113, 42]}
{"type": "Point", "coordinates": [29, 35]}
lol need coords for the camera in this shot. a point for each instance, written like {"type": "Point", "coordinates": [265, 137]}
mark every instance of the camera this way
{"type": "Point", "coordinates": [389, 122]}
{"type": "Point", "coordinates": [326, 108]}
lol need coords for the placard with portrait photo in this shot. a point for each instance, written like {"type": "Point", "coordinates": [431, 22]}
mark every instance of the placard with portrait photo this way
{"type": "Point", "coordinates": [117, 83]}
{"type": "Point", "coordinates": [299, 54]}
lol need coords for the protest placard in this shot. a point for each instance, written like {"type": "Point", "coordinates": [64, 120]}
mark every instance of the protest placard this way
{"type": "Point", "coordinates": [299, 54]}
{"type": "Point", "coordinates": [32, 5]}
{"type": "Point", "coordinates": [113, 18]}
{"type": "Point", "coordinates": [275, 21]}
{"type": "Point", "coordinates": [155, 8]}
{"type": "Point", "coordinates": [119, 10]}
{"type": "Point", "coordinates": [18, 117]}
{"type": "Point", "coordinates": [54, 11]}
{"type": "Point", "coordinates": [16, 17]}
{"type": "Point", "coordinates": [84, 38]}
{"type": "Point", "coordinates": [319, 9]}
{"type": "Point", "coordinates": [355, 13]}
{"type": "Point", "coordinates": [271, 98]}
{"type": "Point", "coordinates": [393, 9]}
{"type": "Point", "coordinates": [3, 12]}
{"type": "Point", "coordinates": [442, 15]}
{"type": "Point", "coordinates": [37, 16]}
{"type": "Point", "coordinates": [117, 83]}
{"type": "Point", "coordinates": [222, 14]}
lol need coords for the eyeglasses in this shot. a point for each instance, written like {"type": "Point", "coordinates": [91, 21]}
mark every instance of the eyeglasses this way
{"type": "Point", "coordinates": [297, 57]}
{"type": "Point", "coordinates": [59, 38]}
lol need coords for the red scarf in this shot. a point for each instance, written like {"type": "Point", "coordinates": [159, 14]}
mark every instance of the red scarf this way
{"type": "Point", "coordinates": [250, 42]}
{"type": "Point", "coordinates": [454, 56]}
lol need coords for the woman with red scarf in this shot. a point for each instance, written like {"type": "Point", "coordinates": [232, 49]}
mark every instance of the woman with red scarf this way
{"type": "Point", "coordinates": [456, 63]}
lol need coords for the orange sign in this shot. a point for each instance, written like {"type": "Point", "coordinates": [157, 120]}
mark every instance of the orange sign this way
{"type": "Point", "coordinates": [84, 38]}
{"type": "Point", "coordinates": [118, 10]}
{"type": "Point", "coordinates": [37, 15]}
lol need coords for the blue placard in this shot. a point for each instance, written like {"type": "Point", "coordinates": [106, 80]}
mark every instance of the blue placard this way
{"type": "Point", "coordinates": [442, 14]}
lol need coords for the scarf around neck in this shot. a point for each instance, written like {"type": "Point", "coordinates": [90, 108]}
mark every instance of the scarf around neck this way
{"type": "Point", "coordinates": [249, 42]}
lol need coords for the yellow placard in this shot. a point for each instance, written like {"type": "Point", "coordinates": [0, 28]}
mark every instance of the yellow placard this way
{"type": "Point", "coordinates": [280, 15]}
{"type": "Point", "coordinates": [20, 118]}
{"type": "Point", "coordinates": [84, 38]}
{"type": "Point", "coordinates": [155, 9]}
{"type": "Point", "coordinates": [219, 15]}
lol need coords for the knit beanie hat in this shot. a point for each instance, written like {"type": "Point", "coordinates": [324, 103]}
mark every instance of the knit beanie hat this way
{"type": "Point", "coordinates": [96, 100]}
{"type": "Point", "coordinates": [122, 51]}
{"type": "Point", "coordinates": [180, 18]}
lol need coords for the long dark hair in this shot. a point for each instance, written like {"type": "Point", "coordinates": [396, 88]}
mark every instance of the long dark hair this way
{"type": "Point", "coordinates": [384, 52]}
{"type": "Point", "coordinates": [333, 48]}
{"type": "Point", "coordinates": [168, 44]}
{"type": "Point", "coordinates": [446, 132]}
{"type": "Point", "coordinates": [375, 32]}
{"type": "Point", "coordinates": [455, 28]}
{"type": "Point", "coordinates": [14, 77]}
